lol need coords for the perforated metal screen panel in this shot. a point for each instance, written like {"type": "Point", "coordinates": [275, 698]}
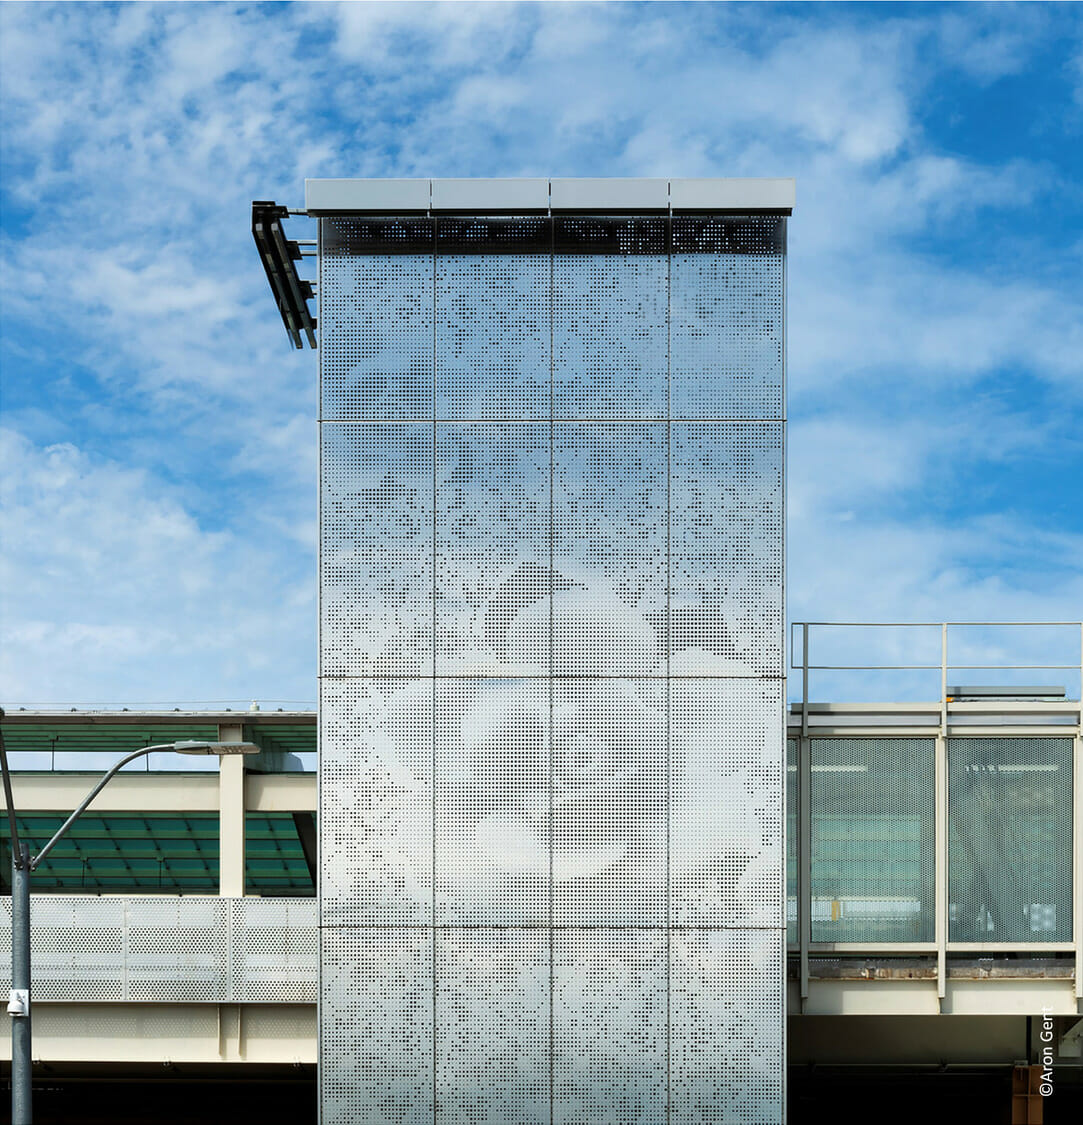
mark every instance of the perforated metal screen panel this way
{"type": "Point", "coordinates": [551, 797]}
{"type": "Point", "coordinates": [873, 839]}
{"type": "Point", "coordinates": [170, 948]}
{"type": "Point", "coordinates": [1010, 839]}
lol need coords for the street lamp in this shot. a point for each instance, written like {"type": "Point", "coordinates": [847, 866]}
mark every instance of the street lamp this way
{"type": "Point", "coordinates": [22, 865]}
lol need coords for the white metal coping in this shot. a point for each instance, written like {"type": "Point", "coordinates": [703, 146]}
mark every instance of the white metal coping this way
{"type": "Point", "coordinates": [546, 196]}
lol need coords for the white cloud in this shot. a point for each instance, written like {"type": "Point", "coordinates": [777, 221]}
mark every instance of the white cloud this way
{"type": "Point", "coordinates": [112, 587]}
{"type": "Point", "coordinates": [136, 136]}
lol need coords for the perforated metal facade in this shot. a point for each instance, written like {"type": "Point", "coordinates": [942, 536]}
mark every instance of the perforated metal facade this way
{"type": "Point", "coordinates": [552, 754]}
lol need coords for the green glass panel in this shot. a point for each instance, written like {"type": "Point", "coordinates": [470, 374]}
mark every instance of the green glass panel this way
{"type": "Point", "coordinates": [153, 853]}
{"type": "Point", "coordinates": [1010, 839]}
{"type": "Point", "coordinates": [274, 856]}
{"type": "Point", "coordinates": [873, 823]}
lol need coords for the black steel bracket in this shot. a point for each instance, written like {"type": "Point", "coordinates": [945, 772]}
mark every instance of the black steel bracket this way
{"type": "Point", "coordinates": [279, 257]}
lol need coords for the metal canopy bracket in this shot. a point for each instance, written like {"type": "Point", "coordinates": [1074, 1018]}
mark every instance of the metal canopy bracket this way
{"type": "Point", "coordinates": [279, 256]}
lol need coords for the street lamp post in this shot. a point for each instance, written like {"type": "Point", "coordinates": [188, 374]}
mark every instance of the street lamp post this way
{"type": "Point", "coordinates": [22, 866]}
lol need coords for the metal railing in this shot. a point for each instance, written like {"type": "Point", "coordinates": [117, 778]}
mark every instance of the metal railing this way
{"type": "Point", "coordinates": [940, 723]}
{"type": "Point", "coordinates": [945, 665]}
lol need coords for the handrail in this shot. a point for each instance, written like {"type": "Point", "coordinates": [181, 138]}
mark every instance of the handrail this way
{"type": "Point", "coordinates": [945, 665]}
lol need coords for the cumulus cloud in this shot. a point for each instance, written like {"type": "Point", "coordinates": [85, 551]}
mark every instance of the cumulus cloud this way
{"type": "Point", "coordinates": [163, 428]}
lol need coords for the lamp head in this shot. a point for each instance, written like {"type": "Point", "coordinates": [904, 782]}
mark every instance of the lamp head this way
{"type": "Point", "coordinates": [220, 748]}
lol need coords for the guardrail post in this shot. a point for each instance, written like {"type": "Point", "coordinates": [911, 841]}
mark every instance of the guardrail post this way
{"type": "Point", "coordinates": [804, 853]}
{"type": "Point", "coordinates": [1077, 859]}
{"type": "Point", "coordinates": [940, 905]}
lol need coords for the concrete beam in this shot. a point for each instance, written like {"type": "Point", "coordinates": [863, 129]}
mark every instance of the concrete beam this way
{"type": "Point", "coordinates": [160, 792]}
{"type": "Point", "coordinates": [171, 1033]}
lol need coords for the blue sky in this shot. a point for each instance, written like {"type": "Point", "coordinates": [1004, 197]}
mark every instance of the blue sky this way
{"type": "Point", "coordinates": [159, 436]}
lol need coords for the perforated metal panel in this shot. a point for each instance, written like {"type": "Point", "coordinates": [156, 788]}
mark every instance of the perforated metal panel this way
{"type": "Point", "coordinates": [275, 954]}
{"type": "Point", "coordinates": [873, 839]}
{"type": "Point", "coordinates": [367, 371]}
{"type": "Point", "coordinates": [492, 335]}
{"type": "Point", "coordinates": [609, 1025]}
{"type": "Point", "coordinates": [376, 800]}
{"type": "Point", "coordinates": [1010, 839]}
{"type": "Point", "coordinates": [551, 649]}
{"type": "Point", "coordinates": [376, 549]}
{"type": "Point", "coordinates": [609, 322]}
{"type": "Point", "coordinates": [609, 802]}
{"type": "Point", "coordinates": [492, 548]}
{"type": "Point", "coordinates": [726, 558]}
{"type": "Point", "coordinates": [492, 1024]}
{"type": "Point", "coordinates": [165, 935]}
{"type": "Point", "coordinates": [376, 1025]}
{"type": "Point", "coordinates": [725, 821]}
{"type": "Point", "coordinates": [727, 322]}
{"type": "Point", "coordinates": [609, 548]}
{"type": "Point", "coordinates": [491, 814]}
{"type": "Point", "coordinates": [79, 946]}
{"type": "Point", "coordinates": [726, 1002]}
{"type": "Point", "coordinates": [170, 948]}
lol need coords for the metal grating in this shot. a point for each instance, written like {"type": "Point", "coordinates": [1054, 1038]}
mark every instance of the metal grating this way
{"type": "Point", "coordinates": [551, 650]}
{"type": "Point", "coordinates": [165, 949]}
{"type": "Point", "coordinates": [873, 839]}
{"type": "Point", "coordinates": [1010, 839]}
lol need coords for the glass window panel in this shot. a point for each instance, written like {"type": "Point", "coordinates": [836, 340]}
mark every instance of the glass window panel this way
{"type": "Point", "coordinates": [1010, 839]}
{"type": "Point", "coordinates": [873, 843]}
{"type": "Point", "coordinates": [275, 862]}
{"type": "Point", "coordinates": [151, 853]}
{"type": "Point", "coordinates": [792, 838]}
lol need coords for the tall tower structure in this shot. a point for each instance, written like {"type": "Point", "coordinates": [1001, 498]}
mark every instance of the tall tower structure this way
{"type": "Point", "coordinates": [551, 650]}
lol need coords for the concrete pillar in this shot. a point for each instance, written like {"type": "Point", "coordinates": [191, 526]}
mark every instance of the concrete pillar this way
{"type": "Point", "coordinates": [231, 805]}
